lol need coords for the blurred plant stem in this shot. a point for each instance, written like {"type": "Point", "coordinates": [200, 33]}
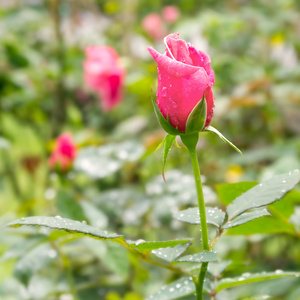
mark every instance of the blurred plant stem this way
{"type": "Point", "coordinates": [128, 22]}
{"type": "Point", "coordinates": [9, 170]}
{"type": "Point", "coordinates": [59, 110]}
{"type": "Point", "coordinates": [190, 142]}
{"type": "Point", "coordinates": [65, 262]}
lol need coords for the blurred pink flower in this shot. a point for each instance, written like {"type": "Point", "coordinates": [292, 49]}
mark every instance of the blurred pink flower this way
{"type": "Point", "coordinates": [153, 24]}
{"type": "Point", "coordinates": [104, 75]}
{"type": "Point", "coordinates": [64, 152]}
{"type": "Point", "coordinates": [170, 13]}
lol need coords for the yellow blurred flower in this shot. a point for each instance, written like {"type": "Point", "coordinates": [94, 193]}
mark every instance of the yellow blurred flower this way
{"type": "Point", "coordinates": [234, 173]}
{"type": "Point", "coordinates": [277, 39]}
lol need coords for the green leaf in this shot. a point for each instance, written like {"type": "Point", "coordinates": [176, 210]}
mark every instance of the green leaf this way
{"type": "Point", "coordinates": [204, 256]}
{"type": "Point", "coordinates": [227, 192]}
{"type": "Point", "coordinates": [33, 261]}
{"type": "Point", "coordinates": [68, 225]}
{"type": "Point", "coordinates": [94, 215]}
{"type": "Point", "coordinates": [168, 142]}
{"type": "Point", "coordinates": [280, 222]}
{"type": "Point", "coordinates": [177, 289]}
{"type": "Point", "coordinates": [214, 216]}
{"type": "Point", "coordinates": [263, 226]}
{"type": "Point", "coordinates": [217, 268]}
{"type": "Point", "coordinates": [171, 253]}
{"type": "Point", "coordinates": [103, 161]}
{"type": "Point", "coordinates": [143, 246]}
{"type": "Point", "coordinates": [113, 256]}
{"type": "Point", "coordinates": [260, 297]}
{"type": "Point", "coordinates": [264, 193]}
{"type": "Point", "coordinates": [221, 136]}
{"type": "Point", "coordinates": [165, 124]}
{"type": "Point", "coordinates": [23, 246]}
{"type": "Point", "coordinates": [250, 278]}
{"type": "Point", "coordinates": [246, 217]}
{"type": "Point", "coordinates": [197, 117]}
{"type": "Point", "coordinates": [68, 207]}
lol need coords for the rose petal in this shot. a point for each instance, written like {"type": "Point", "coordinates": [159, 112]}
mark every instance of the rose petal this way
{"type": "Point", "coordinates": [209, 97]}
{"type": "Point", "coordinates": [201, 59]}
{"type": "Point", "coordinates": [177, 96]}
{"type": "Point", "coordinates": [174, 67]}
{"type": "Point", "coordinates": [179, 49]}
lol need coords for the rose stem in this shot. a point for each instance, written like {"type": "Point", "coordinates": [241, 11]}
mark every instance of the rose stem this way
{"type": "Point", "coordinates": [191, 141]}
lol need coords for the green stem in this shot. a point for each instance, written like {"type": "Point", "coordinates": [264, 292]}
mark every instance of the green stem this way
{"type": "Point", "coordinates": [59, 109]}
{"type": "Point", "coordinates": [201, 203]}
{"type": "Point", "coordinates": [204, 231]}
{"type": "Point", "coordinates": [191, 141]}
{"type": "Point", "coordinates": [67, 267]}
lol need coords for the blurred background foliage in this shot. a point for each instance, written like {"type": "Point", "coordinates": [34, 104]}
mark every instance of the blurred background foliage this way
{"type": "Point", "coordinates": [115, 183]}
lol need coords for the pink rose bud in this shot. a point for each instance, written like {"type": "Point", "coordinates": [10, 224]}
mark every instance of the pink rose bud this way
{"type": "Point", "coordinates": [104, 75]}
{"type": "Point", "coordinates": [154, 26]}
{"type": "Point", "coordinates": [170, 13]}
{"type": "Point", "coordinates": [184, 75]}
{"type": "Point", "coordinates": [64, 152]}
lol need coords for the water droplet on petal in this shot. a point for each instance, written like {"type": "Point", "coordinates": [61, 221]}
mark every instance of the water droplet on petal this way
{"type": "Point", "coordinates": [164, 92]}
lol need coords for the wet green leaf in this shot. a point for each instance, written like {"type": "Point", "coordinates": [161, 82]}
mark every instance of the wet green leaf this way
{"type": "Point", "coordinates": [34, 260]}
{"type": "Point", "coordinates": [264, 193]}
{"type": "Point", "coordinates": [177, 289]}
{"type": "Point", "coordinates": [71, 226]}
{"type": "Point", "coordinates": [144, 246]}
{"type": "Point", "coordinates": [214, 216]}
{"type": "Point", "coordinates": [171, 253]}
{"type": "Point", "coordinates": [246, 217]}
{"type": "Point", "coordinates": [250, 278]}
{"type": "Point", "coordinates": [204, 256]}
{"type": "Point", "coordinates": [100, 162]}
{"type": "Point", "coordinates": [227, 192]}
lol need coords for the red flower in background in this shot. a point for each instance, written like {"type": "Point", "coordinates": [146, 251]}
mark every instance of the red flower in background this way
{"type": "Point", "coordinates": [104, 75]}
{"type": "Point", "coordinates": [170, 13]}
{"type": "Point", "coordinates": [153, 24]}
{"type": "Point", "coordinates": [64, 152]}
{"type": "Point", "coordinates": [184, 75]}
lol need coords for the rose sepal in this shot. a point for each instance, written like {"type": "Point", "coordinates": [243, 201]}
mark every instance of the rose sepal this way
{"type": "Point", "coordinates": [197, 118]}
{"type": "Point", "coordinates": [167, 143]}
{"type": "Point", "coordinates": [165, 124]}
{"type": "Point", "coordinates": [222, 137]}
{"type": "Point", "coordinates": [190, 140]}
